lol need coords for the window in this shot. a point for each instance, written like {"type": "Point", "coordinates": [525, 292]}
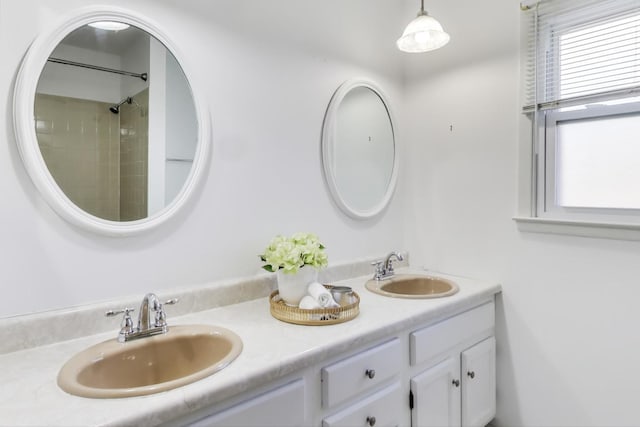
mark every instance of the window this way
{"type": "Point", "coordinates": [583, 97]}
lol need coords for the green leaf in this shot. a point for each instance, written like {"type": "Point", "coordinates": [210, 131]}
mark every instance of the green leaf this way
{"type": "Point", "coordinates": [268, 268]}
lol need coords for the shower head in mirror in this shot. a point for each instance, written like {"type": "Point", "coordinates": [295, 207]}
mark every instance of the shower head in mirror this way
{"type": "Point", "coordinates": [115, 109]}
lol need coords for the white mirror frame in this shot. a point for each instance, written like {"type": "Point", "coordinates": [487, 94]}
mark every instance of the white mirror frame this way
{"type": "Point", "coordinates": [328, 139]}
{"type": "Point", "coordinates": [24, 122]}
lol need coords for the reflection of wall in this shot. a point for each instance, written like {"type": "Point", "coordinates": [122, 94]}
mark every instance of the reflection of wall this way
{"type": "Point", "coordinates": [82, 153]}
{"type": "Point", "coordinates": [363, 152]}
{"type": "Point", "coordinates": [136, 60]}
{"type": "Point", "coordinates": [82, 83]}
{"type": "Point", "coordinates": [181, 129]}
{"type": "Point", "coordinates": [134, 125]}
{"type": "Point", "coordinates": [172, 128]}
{"type": "Point", "coordinates": [157, 119]}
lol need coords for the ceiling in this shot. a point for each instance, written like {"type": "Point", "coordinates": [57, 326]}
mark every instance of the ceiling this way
{"type": "Point", "coordinates": [112, 42]}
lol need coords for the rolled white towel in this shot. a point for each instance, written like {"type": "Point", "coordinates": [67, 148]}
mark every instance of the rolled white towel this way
{"type": "Point", "coordinates": [308, 303]}
{"type": "Point", "coordinates": [321, 295]}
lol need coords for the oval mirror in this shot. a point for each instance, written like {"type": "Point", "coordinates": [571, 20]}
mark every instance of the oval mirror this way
{"type": "Point", "coordinates": [359, 153]}
{"type": "Point", "coordinates": [108, 123]}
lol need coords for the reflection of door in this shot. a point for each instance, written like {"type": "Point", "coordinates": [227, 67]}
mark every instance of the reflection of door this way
{"type": "Point", "coordinates": [79, 141]}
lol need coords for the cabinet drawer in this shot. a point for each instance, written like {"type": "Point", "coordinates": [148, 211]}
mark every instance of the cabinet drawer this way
{"type": "Point", "coordinates": [360, 372]}
{"type": "Point", "coordinates": [381, 409]}
{"type": "Point", "coordinates": [282, 407]}
{"type": "Point", "coordinates": [433, 340]}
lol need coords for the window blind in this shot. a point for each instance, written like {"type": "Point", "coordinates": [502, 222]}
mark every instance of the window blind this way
{"type": "Point", "coordinates": [580, 52]}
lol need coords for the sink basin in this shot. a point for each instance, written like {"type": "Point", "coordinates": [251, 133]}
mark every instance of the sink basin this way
{"type": "Point", "coordinates": [149, 365]}
{"type": "Point", "coordinates": [413, 286]}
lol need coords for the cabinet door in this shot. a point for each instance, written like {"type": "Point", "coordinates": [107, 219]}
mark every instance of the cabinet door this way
{"type": "Point", "coordinates": [478, 371]}
{"type": "Point", "coordinates": [282, 407]}
{"type": "Point", "coordinates": [436, 395]}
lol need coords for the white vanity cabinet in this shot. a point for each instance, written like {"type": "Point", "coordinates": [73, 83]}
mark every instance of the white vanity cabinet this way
{"type": "Point", "coordinates": [440, 373]}
{"type": "Point", "coordinates": [458, 385]}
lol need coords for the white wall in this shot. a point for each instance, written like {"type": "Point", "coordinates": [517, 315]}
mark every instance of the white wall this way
{"type": "Point", "coordinates": [136, 59]}
{"type": "Point", "coordinates": [268, 71]}
{"type": "Point", "coordinates": [568, 318]}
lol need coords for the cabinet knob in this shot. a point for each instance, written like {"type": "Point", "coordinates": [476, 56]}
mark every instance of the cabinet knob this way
{"type": "Point", "coordinates": [456, 383]}
{"type": "Point", "coordinates": [371, 373]}
{"type": "Point", "coordinates": [371, 421]}
{"type": "Point", "coordinates": [471, 374]}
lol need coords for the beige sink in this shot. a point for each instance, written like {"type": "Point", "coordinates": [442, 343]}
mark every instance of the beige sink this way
{"type": "Point", "coordinates": [413, 286]}
{"type": "Point", "coordinates": [149, 365]}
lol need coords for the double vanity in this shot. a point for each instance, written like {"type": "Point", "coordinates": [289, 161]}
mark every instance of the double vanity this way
{"type": "Point", "coordinates": [402, 361]}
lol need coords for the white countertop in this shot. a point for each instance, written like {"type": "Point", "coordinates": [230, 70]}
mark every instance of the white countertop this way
{"type": "Point", "coordinates": [29, 395]}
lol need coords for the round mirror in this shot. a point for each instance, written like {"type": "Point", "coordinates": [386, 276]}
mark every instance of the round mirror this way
{"type": "Point", "coordinates": [359, 153]}
{"type": "Point", "coordinates": [108, 122]}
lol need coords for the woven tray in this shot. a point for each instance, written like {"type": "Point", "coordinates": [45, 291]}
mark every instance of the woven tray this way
{"type": "Point", "coordinates": [315, 317]}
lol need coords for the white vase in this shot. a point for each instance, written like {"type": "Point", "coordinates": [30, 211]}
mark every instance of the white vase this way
{"type": "Point", "coordinates": [293, 286]}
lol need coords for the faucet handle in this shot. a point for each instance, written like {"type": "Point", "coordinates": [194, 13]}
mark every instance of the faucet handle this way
{"type": "Point", "coordinates": [389, 266]}
{"type": "Point", "coordinates": [126, 311]}
{"type": "Point", "coordinates": [379, 265]}
{"type": "Point", "coordinates": [161, 316]}
{"type": "Point", "coordinates": [126, 326]}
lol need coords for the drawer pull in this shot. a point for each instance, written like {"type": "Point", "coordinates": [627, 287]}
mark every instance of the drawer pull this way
{"type": "Point", "coordinates": [456, 383]}
{"type": "Point", "coordinates": [471, 374]}
{"type": "Point", "coordinates": [371, 421]}
{"type": "Point", "coordinates": [371, 373]}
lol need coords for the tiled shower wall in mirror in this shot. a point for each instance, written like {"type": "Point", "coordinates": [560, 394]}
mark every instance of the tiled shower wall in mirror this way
{"type": "Point", "coordinates": [99, 159]}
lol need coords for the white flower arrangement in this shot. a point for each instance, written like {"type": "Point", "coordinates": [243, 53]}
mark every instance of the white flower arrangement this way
{"type": "Point", "coordinates": [292, 253]}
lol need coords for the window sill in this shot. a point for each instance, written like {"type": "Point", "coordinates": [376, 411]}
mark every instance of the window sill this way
{"type": "Point", "coordinates": [602, 230]}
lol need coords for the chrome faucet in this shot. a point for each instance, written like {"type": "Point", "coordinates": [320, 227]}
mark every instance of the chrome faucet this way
{"type": "Point", "coordinates": [384, 268]}
{"type": "Point", "coordinates": [146, 327]}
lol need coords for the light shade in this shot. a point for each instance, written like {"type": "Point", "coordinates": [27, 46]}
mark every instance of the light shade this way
{"type": "Point", "coordinates": [109, 25]}
{"type": "Point", "coordinates": [422, 35]}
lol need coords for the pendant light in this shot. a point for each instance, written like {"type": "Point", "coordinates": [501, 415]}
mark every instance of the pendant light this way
{"type": "Point", "coordinates": [422, 34]}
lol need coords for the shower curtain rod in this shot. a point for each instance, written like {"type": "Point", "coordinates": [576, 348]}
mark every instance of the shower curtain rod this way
{"type": "Point", "coordinates": [142, 76]}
